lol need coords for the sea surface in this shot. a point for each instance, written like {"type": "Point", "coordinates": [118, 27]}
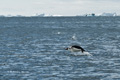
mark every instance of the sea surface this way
{"type": "Point", "coordinates": [33, 48]}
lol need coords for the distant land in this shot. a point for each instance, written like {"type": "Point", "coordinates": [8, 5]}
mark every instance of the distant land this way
{"type": "Point", "coordinates": [44, 15]}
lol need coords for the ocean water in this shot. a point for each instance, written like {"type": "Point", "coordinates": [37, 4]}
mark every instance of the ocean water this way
{"type": "Point", "coordinates": [33, 48]}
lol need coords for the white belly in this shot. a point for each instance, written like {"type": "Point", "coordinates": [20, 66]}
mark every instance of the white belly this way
{"type": "Point", "coordinates": [75, 50]}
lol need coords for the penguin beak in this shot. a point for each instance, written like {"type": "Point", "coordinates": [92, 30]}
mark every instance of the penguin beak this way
{"type": "Point", "coordinates": [66, 48]}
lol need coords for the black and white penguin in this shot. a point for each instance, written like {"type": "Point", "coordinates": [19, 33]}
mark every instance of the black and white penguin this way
{"type": "Point", "coordinates": [75, 48]}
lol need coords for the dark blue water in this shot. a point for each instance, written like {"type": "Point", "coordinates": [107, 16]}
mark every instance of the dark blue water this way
{"type": "Point", "coordinates": [34, 48]}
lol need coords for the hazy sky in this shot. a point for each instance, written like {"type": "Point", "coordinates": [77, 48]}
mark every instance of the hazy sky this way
{"type": "Point", "coordinates": [58, 7]}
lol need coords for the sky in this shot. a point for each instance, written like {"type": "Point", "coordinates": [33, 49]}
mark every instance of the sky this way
{"type": "Point", "coordinates": [58, 7]}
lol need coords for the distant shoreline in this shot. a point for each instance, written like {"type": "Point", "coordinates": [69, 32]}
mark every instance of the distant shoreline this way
{"type": "Point", "coordinates": [52, 16]}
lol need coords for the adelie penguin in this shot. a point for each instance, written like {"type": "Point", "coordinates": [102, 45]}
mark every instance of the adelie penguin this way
{"type": "Point", "coordinates": [76, 48]}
